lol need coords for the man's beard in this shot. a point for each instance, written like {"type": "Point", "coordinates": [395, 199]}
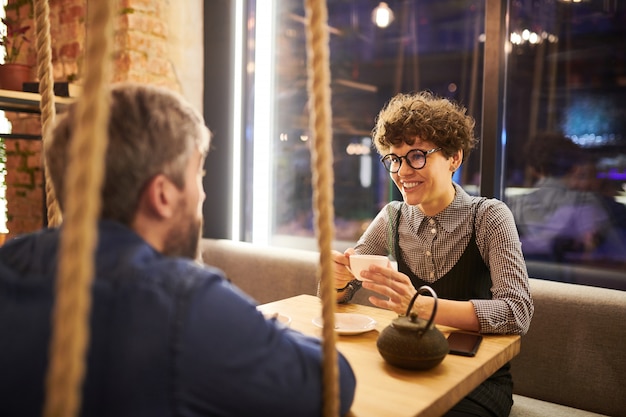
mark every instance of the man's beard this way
{"type": "Point", "coordinates": [184, 240]}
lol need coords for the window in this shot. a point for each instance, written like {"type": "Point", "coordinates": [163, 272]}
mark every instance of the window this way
{"type": "Point", "coordinates": [566, 139]}
{"type": "Point", "coordinates": [434, 45]}
{"type": "Point", "coordinates": [565, 75]}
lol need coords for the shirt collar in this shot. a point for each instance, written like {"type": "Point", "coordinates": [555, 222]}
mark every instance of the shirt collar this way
{"type": "Point", "coordinates": [452, 216]}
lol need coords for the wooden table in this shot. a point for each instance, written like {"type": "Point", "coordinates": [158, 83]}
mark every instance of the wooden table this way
{"type": "Point", "coordinates": [384, 390]}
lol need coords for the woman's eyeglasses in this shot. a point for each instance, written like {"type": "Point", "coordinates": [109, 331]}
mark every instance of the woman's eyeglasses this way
{"type": "Point", "coordinates": [416, 158]}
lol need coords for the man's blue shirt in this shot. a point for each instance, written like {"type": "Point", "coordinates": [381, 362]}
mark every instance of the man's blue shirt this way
{"type": "Point", "coordinates": [168, 337]}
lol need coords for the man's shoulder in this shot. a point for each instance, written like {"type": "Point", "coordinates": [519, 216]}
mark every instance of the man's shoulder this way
{"type": "Point", "coordinates": [167, 270]}
{"type": "Point", "coordinates": [29, 252]}
{"type": "Point", "coordinates": [46, 236]}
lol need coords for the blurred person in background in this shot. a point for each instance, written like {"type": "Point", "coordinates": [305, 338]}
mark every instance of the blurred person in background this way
{"type": "Point", "coordinates": [565, 217]}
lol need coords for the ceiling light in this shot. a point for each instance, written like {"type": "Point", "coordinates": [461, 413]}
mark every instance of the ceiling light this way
{"type": "Point", "coordinates": [382, 15]}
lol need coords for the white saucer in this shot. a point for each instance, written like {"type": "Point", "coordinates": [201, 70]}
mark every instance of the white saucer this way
{"type": "Point", "coordinates": [281, 318]}
{"type": "Point", "coordinates": [349, 323]}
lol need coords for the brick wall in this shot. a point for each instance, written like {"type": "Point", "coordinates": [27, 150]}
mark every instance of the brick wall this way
{"type": "Point", "coordinates": [141, 43]}
{"type": "Point", "coordinates": [24, 178]}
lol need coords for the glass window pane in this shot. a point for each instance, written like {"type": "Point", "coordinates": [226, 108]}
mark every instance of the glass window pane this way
{"type": "Point", "coordinates": [566, 139]}
{"type": "Point", "coordinates": [434, 45]}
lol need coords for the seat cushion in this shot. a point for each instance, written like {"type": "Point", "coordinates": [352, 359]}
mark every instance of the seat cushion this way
{"type": "Point", "coordinates": [530, 407]}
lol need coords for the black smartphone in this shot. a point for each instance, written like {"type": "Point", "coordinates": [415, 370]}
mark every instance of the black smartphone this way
{"type": "Point", "coordinates": [464, 343]}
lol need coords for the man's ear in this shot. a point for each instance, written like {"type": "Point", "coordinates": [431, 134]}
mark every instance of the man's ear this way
{"type": "Point", "coordinates": [159, 197]}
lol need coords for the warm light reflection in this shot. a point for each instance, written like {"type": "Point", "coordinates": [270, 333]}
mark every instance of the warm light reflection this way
{"type": "Point", "coordinates": [382, 15]}
{"type": "Point", "coordinates": [358, 149]}
{"type": "Point", "coordinates": [527, 36]}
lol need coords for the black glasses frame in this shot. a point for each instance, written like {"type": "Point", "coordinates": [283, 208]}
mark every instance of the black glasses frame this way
{"type": "Point", "coordinates": [386, 159]}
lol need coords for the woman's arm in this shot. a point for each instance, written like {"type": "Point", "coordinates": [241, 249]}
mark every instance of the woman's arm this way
{"type": "Point", "coordinates": [511, 308]}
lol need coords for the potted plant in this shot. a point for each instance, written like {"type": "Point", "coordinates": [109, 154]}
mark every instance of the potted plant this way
{"type": "Point", "coordinates": [17, 27]}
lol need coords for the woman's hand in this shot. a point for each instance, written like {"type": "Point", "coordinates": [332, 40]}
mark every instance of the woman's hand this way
{"type": "Point", "coordinates": [395, 288]}
{"type": "Point", "coordinates": [341, 262]}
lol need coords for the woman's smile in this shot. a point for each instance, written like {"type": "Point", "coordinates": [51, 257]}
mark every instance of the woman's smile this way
{"type": "Point", "coordinates": [410, 185]}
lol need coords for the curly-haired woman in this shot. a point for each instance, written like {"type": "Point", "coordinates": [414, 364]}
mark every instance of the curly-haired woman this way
{"type": "Point", "coordinates": [466, 248]}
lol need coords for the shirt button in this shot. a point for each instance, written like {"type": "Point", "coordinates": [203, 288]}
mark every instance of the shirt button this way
{"type": "Point", "coordinates": [431, 221]}
{"type": "Point", "coordinates": [428, 253]}
{"type": "Point", "coordinates": [432, 275]}
{"type": "Point", "coordinates": [433, 230]}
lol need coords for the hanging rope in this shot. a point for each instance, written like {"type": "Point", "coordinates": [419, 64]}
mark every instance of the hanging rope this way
{"type": "Point", "coordinates": [46, 90]}
{"type": "Point", "coordinates": [320, 125]}
{"type": "Point", "coordinates": [83, 183]}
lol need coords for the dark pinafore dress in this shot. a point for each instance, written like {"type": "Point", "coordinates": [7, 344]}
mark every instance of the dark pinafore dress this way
{"type": "Point", "coordinates": [468, 279]}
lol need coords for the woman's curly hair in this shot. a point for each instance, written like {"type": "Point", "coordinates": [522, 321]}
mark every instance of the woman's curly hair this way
{"type": "Point", "coordinates": [422, 115]}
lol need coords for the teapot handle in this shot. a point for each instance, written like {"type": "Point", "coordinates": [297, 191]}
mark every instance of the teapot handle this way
{"type": "Point", "coordinates": [434, 294]}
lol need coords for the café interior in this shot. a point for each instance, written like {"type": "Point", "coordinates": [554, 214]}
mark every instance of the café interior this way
{"type": "Point", "coordinates": [555, 68]}
{"type": "Point", "coordinates": [525, 70]}
{"type": "Point", "coordinates": [538, 76]}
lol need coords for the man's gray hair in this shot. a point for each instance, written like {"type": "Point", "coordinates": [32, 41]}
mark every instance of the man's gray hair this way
{"type": "Point", "coordinates": [151, 131]}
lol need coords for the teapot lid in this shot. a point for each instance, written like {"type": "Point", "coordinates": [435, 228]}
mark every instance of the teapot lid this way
{"type": "Point", "coordinates": [411, 323]}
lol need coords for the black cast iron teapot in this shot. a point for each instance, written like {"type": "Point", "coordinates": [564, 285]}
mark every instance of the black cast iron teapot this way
{"type": "Point", "coordinates": [413, 343]}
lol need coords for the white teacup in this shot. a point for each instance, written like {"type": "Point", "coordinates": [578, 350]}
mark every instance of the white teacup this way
{"type": "Point", "coordinates": [360, 263]}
